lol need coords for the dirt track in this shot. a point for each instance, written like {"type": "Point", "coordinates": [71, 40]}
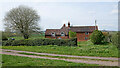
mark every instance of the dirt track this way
{"type": "Point", "coordinates": [102, 63]}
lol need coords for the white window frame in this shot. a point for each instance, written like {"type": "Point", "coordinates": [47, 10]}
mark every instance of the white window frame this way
{"type": "Point", "coordinates": [53, 34]}
{"type": "Point", "coordinates": [62, 34]}
{"type": "Point", "coordinates": [86, 33]}
{"type": "Point", "coordinates": [86, 38]}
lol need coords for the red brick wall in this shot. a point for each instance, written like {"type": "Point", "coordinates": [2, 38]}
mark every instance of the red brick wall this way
{"type": "Point", "coordinates": [81, 36]}
{"type": "Point", "coordinates": [63, 37]}
{"type": "Point", "coordinates": [49, 37]}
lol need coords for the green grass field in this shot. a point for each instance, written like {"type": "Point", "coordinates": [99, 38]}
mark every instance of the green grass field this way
{"type": "Point", "coordinates": [9, 60]}
{"type": "Point", "coordinates": [106, 50]}
{"type": "Point", "coordinates": [85, 48]}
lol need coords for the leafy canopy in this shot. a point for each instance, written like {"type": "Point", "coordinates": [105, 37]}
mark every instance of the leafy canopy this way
{"type": "Point", "coordinates": [23, 19]}
{"type": "Point", "coordinates": [97, 37]}
{"type": "Point", "coordinates": [72, 34]}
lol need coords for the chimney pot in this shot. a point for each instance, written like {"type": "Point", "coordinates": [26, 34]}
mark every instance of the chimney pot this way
{"type": "Point", "coordinates": [68, 24]}
{"type": "Point", "coordinates": [64, 25]}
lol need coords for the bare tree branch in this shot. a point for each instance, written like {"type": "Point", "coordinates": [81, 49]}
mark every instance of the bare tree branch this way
{"type": "Point", "coordinates": [23, 19]}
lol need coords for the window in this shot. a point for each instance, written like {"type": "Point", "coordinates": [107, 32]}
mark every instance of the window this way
{"type": "Point", "coordinates": [53, 34]}
{"type": "Point", "coordinates": [86, 33]}
{"type": "Point", "coordinates": [62, 34]}
{"type": "Point", "coordinates": [86, 38]}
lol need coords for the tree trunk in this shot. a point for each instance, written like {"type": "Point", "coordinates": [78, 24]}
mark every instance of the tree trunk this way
{"type": "Point", "coordinates": [26, 36]}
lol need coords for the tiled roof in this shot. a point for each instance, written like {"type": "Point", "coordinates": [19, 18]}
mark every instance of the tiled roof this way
{"type": "Point", "coordinates": [72, 28]}
{"type": "Point", "coordinates": [83, 28]}
{"type": "Point", "coordinates": [57, 31]}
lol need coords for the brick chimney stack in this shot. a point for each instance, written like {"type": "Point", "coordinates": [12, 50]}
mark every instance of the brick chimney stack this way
{"type": "Point", "coordinates": [64, 25]}
{"type": "Point", "coordinates": [68, 24]}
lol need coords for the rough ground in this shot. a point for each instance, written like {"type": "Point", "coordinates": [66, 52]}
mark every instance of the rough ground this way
{"type": "Point", "coordinates": [102, 63]}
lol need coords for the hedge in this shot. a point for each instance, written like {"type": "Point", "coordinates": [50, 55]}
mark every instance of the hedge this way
{"type": "Point", "coordinates": [115, 40]}
{"type": "Point", "coordinates": [4, 37]}
{"type": "Point", "coordinates": [39, 42]}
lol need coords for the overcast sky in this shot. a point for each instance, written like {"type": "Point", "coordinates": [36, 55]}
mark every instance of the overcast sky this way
{"type": "Point", "coordinates": [54, 14]}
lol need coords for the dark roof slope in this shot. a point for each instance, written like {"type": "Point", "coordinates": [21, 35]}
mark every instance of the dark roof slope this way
{"type": "Point", "coordinates": [57, 31]}
{"type": "Point", "coordinates": [83, 28]}
{"type": "Point", "coordinates": [72, 28]}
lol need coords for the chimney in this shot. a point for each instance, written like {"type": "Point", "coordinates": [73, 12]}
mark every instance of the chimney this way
{"type": "Point", "coordinates": [64, 25]}
{"type": "Point", "coordinates": [68, 24]}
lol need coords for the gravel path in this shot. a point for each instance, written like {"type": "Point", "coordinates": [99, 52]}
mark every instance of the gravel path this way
{"type": "Point", "coordinates": [88, 57]}
{"type": "Point", "coordinates": [102, 63]}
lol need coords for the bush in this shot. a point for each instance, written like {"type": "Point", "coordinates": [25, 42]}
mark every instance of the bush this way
{"type": "Point", "coordinates": [97, 37]}
{"type": "Point", "coordinates": [72, 34]}
{"type": "Point", "coordinates": [107, 37]}
{"type": "Point", "coordinates": [115, 40]}
{"type": "Point", "coordinates": [4, 37]}
{"type": "Point", "coordinates": [38, 42]}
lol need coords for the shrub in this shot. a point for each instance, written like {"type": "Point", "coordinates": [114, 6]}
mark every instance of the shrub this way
{"type": "Point", "coordinates": [97, 37]}
{"type": "Point", "coordinates": [38, 42]}
{"type": "Point", "coordinates": [4, 37]}
{"type": "Point", "coordinates": [115, 40]}
{"type": "Point", "coordinates": [72, 34]}
{"type": "Point", "coordinates": [107, 37]}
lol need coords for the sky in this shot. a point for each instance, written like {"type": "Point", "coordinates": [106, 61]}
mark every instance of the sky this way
{"type": "Point", "coordinates": [54, 14]}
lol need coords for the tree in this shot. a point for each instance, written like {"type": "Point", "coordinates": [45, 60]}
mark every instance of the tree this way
{"type": "Point", "coordinates": [4, 36]}
{"type": "Point", "coordinates": [115, 39]}
{"type": "Point", "coordinates": [22, 19]}
{"type": "Point", "coordinates": [97, 37]}
{"type": "Point", "coordinates": [72, 34]}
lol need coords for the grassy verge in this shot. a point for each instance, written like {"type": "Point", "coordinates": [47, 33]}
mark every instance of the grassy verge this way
{"type": "Point", "coordinates": [108, 50]}
{"type": "Point", "coordinates": [9, 60]}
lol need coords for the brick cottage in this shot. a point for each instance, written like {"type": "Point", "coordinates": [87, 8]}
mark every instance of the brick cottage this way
{"type": "Point", "coordinates": [82, 32]}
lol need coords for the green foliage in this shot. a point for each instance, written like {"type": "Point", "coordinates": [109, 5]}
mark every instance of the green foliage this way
{"type": "Point", "coordinates": [115, 40]}
{"type": "Point", "coordinates": [85, 49]}
{"type": "Point", "coordinates": [4, 37]}
{"type": "Point", "coordinates": [0, 35]}
{"type": "Point", "coordinates": [107, 37]}
{"type": "Point", "coordinates": [85, 43]}
{"type": "Point", "coordinates": [25, 23]}
{"type": "Point", "coordinates": [38, 42]}
{"type": "Point", "coordinates": [97, 37]}
{"type": "Point", "coordinates": [72, 34]}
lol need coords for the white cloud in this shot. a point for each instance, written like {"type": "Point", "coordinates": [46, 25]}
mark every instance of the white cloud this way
{"type": "Point", "coordinates": [91, 12]}
{"type": "Point", "coordinates": [65, 21]}
{"type": "Point", "coordinates": [115, 6]}
{"type": "Point", "coordinates": [55, 16]}
{"type": "Point", "coordinates": [108, 25]}
{"type": "Point", "coordinates": [114, 11]}
{"type": "Point", "coordinates": [59, 0]}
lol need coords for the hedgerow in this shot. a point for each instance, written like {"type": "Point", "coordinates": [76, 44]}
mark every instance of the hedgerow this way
{"type": "Point", "coordinates": [39, 42]}
{"type": "Point", "coordinates": [115, 39]}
